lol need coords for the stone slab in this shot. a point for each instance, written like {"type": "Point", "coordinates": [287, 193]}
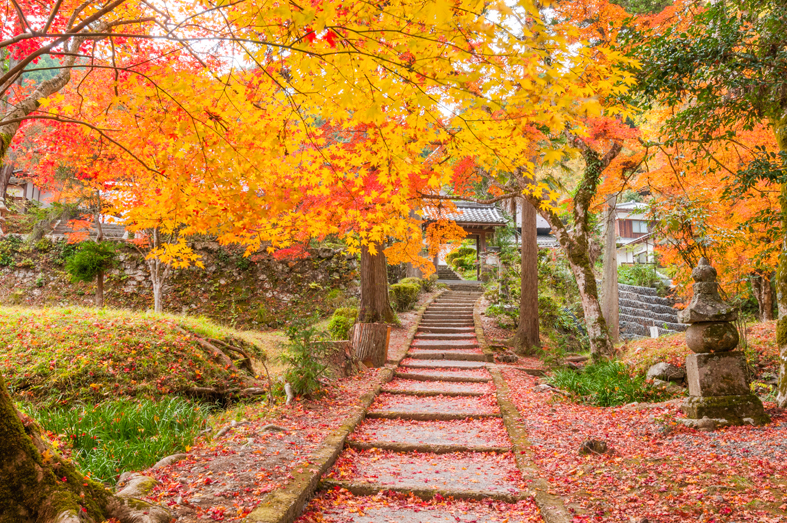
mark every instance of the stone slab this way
{"type": "Point", "coordinates": [717, 374]}
{"type": "Point", "coordinates": [362, 509]}
{"type": "Point", "coordinates": [731, 410]}
{"type": "Point", "coordinates": [469, 375]}
{"type": "Point", "coordinates": [452, 355]}
{"type": "Point", "coordinates": [469, 335]}
{"type": "Point", "coordinates": [467, 474]}
{"type": "Point", "coordinates": [445, 344]}
{"type": "Point", "coordinates": [445, 330]}
{"type": "Point", "coordinates": [399, 385]}
{"type": "Point", "coordinates": [446, 323]}
{"type": "Point", "coordinates": [453, 405]}
{"type": "Point", "coordinates": [445, 364]}
{"type": "Point", "coordinates": [481, 434]}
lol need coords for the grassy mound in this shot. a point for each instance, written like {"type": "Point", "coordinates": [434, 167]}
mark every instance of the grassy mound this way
{"type": "Point", "coordinates": [640, 354]}
{"type": "Point", "coordinates": [60, 356]}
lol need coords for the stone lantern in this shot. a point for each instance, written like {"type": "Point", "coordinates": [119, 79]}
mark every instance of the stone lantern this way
{"type": "Point", "coordinates": [716, 373]}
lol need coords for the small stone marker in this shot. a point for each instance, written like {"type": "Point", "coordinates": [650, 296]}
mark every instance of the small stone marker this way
{"type": "Point", "coordinates": [718, 390]}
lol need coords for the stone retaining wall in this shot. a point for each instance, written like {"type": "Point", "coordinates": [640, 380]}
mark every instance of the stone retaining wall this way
{"type": "Point", "coordinates": [641, 308]}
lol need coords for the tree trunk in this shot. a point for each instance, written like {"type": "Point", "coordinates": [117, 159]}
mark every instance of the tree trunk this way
{"type": "Point", "coordinates": [6, 171]}
{"type": "Point", "coordinates": [526, 340]}
{"type": "Point", "coordinates": [38, 486]}
{"type": "Point", "coordinates": [761, 287]}
{"type": "Point", "coordinates": [100, 289]}
{"type": "Point", "coordinates": [370, 343]}
{"type": "Point", "coordinates": [375, 304]}
{"type": "Point", "coordinates": [411, 271]}
{"type": "Point", "coordinates": [780, 130]}
{"type": "Point", "coordinates": [609, 284]}
{"type": "Point", "coordinates": [600, 343]}
{"type": "Point", "coordinates": [157, 292]}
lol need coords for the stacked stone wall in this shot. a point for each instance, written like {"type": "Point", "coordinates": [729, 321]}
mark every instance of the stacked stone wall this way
{"type": "Point", "coordinates": [641, 308]}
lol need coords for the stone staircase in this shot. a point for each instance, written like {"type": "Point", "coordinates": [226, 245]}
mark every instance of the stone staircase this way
{"type": "Point", "coordinates": [435, 431]}
{"type": "Point", "coordinates": [641, 308]}
{"type": "Point", "coordinates": [444, 272]}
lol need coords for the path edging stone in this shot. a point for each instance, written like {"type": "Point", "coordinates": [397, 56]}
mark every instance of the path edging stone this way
{"type": "Point", "coordinates": [286, 504]}
{"type": "Point", "coordinates": [552, 508]}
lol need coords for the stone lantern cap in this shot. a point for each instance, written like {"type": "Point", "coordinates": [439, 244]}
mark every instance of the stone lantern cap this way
{"type": "Point", "coordinates": [706, 305]}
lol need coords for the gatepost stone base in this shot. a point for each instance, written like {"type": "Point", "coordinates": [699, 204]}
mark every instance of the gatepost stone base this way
{"type": "Point", "coordinates": [726, 410]}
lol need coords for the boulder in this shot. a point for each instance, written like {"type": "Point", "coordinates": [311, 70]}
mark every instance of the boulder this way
{"type": "Point", "coordinates": [593, 446]}
{"type": "Point", "coordinates": [666, 372]}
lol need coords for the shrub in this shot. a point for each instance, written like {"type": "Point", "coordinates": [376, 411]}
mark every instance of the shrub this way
{"type": "Point", "coordinates": [9, 246]}
{"type": "Point", "coordinates": [116, 436]}
{"type": "Point", "coordinates": [605, 384]}
{"type": "Point", "coordinates": [90, 259]}
{"type": "Point", "coordinates": [429, 284]}
{"type": "Point", "coordinates": [341, 322]}
{"type": "Point", "coordinates": [466, 262]}
{"type": "Point", "coordinates": [459, 253]}
{"type": "Point", "coordinates": [641, 275]}
{"type": "Point", "coordinates": [304, 357]}
{"type": "Point", "coordinates": [404, 296]}
{"type": "Point", "coordinates": [411, 281]}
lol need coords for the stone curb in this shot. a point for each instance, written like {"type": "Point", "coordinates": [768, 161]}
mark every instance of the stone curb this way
{"type": "Point", "coordinates": [371, 489]}
{"type": "Point", "coordinates": [552, 507]}
{"type": "Point", "coordinates": [479, 331]}
{"type": "Point", "coordinates": [434, 449]}
{"type": "Point", "coordinates": [286, 504]}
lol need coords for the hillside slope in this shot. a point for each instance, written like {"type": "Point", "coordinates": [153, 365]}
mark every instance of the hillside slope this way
{"type": "Point", "coordinates": [67, 355]}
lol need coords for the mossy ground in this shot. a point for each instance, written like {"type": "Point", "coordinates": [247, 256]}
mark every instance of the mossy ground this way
{"type": "Point", "coordinates": [59, 356]}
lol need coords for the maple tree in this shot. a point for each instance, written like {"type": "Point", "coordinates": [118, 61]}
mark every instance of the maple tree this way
{"type": "Point", "coordinates": [693, 63]}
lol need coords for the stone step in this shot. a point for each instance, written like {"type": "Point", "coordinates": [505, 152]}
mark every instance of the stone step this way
{"type": "Point", "coordinates": [453, 355]}
{"type": "Point", "coordinates": [479, 435]}
{"type": "Point", "coordinates": [647, 322]}
{"type": "Point", "coordinates": [449, 310]}
{"type": "Point", "coordinates": [445, 330]}
{"type": "Point", "coordinates": [436, 388]}
{"type": "Point", "coordinates": [638, 316]}
{"type": "Point", "coordinates": [380, 511]}
{"type": "Point", "coordinates": [458, 376]}
{"type": "Point", "coordinates": [445, 336]}
{"type": "Point", "coordinates": [445, 344]}
{"type": "Point", "coordinates": [458, 316]}
{"type": "Point", "coordinates": [461, 322]}
{"type": "Point", "coordinates": [447, 364]}
{"type": "Point", "coordinates": [655, 300]}
{"type": "Point", "coordinates": [458, 475]}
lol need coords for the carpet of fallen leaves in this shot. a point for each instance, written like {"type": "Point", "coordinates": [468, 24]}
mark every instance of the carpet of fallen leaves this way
{"type": "Point", "coordinates": [448, 373]}
{"type": "Point", "coordinates": [340, 506]}
{"type": "Point", "coordinates": [224, 479]}
{"type": "Point", "coordinates": [657, 469]}
{"type": "Point", "coordinates": [450, 386]}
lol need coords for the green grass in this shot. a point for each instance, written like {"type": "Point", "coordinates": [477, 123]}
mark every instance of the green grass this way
{"type": "Point", "coordinates": [62, 356]}
{"type": "Point", "coordinates": [606, 384]}
{"type": "Point", "coordinates": [117, 436]}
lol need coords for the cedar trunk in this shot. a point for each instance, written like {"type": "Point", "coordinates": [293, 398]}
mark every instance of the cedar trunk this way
{"type": "Point", "coordinates": [610, 303]}
{"type": "Point", "coordinates": [375, 305]}
{"type": "Point", "coordinates": [763, 291]}
{"type": "Point", "coordinates": [780, 130]}
{"type": "Point", "coordinates": [39, 486]}
{"type": "Point", "coordinates": [370, 342]}
{"type": "Point", "coordinates": [526, 340]}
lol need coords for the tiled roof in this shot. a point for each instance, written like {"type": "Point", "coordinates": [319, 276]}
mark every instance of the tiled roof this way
{"type": "Point", "coordinates": [468, 212]}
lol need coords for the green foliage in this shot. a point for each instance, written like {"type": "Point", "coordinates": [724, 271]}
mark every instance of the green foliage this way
{"type": "Point", "coordinates": [461, 252]}
{"type": "Point", "coordinates": [411, 281]}
{"type": "Point", "coordinates": [563, 325]}
{"type": "Point", "coordinates": [605, 384]}
{"type": "Point", "coordinates": [341, 322]}
{"type": "Point", "coordinates": [641, 7]}
{"type": "Point", "coordinates": [118, 436]}
{"type": "Point", "coordinates": [404, 295]}
{"type": "Point", "coordinates": [91, 259]}
{"type": "Point", "coordinates": [9, 246]}
{"type": "Point", "coordinates": [639, 274]}
{"type": "Point", "coordinates": [428, 284]}
{"type": "Point", "coordinates": [304, 357]}
{"type": "Point", "coordinates": [464, 263]}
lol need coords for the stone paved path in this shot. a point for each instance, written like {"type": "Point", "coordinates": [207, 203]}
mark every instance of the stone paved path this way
{"type": "Point", "coordinates": [434, 432]}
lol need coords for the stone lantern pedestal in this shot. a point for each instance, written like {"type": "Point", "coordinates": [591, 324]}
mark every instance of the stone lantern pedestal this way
{"type": "Point", "coordinates": [719, 392]}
